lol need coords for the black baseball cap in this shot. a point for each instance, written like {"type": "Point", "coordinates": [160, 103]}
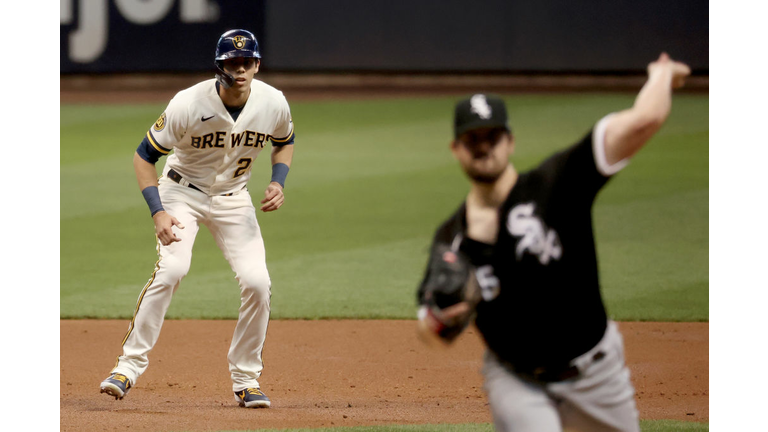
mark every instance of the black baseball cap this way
{"type": "Point", "coordinates": [480, 111]}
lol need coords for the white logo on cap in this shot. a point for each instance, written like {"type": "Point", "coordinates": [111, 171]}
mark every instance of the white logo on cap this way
{"type": "Point", "coordinates": [480, 106]}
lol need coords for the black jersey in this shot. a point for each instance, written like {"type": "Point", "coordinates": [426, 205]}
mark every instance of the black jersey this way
{"type": "Point", "coordinates": [547, 308]}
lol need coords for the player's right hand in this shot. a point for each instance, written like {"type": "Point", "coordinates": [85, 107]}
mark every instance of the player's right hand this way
{"type": "Point", "coordinates": [273, 197]}
{"type": "Point", "coordinates": [164, 227]}
{"type": "Point", "coordinates": [442, 325]}
{"type": "Point", "coordinates": [678, 69]}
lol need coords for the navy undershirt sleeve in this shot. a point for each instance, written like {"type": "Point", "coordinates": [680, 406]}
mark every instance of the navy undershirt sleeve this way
{"type": "Point", "coordinates": [148, 152]}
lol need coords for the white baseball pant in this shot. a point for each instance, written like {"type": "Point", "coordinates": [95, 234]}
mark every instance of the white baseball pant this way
{"type": "Point", "coordinates": [232, 221]}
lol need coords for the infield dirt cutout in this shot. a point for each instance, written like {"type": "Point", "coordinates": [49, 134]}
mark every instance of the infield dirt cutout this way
{"type": "Point", "coordinates": [339, 373]}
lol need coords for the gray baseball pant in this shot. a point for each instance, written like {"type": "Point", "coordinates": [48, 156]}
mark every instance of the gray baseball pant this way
{"type": "Point", "coordinates": [600, 399]}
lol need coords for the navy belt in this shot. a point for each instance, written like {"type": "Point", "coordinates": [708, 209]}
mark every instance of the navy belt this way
{"type": "Point", "coordinates": [173, 175]}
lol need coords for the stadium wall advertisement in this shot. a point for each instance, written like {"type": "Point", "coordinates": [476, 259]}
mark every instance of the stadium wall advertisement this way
{"type": "Point", "coordinates": [550, 36]}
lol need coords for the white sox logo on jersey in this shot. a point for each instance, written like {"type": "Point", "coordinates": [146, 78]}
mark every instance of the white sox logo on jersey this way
{"type": "Point", "coordinates": [536, 238]}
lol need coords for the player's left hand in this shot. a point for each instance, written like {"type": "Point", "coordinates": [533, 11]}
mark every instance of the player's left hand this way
{"type": "Point", "coordinates": [273, 197]}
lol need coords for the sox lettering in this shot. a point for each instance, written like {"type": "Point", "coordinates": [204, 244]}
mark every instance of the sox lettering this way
{"type": "Point", "coordinates": [537, 239]}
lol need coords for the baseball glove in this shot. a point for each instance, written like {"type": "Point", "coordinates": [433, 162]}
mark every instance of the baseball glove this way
{"type": "Point", "coordinates": [449, 293]}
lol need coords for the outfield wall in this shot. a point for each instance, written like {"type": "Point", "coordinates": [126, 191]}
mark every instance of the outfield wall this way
{"type": "Point", "coordinates": [436, 36]}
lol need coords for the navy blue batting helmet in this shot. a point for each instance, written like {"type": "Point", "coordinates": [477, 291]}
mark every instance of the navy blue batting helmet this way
{"type": "Point", "coordinates": [234, 43]}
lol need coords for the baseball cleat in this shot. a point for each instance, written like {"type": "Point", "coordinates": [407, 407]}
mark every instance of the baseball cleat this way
{"type": "Point", "coordinates": [116, 385]}
{"type": "Point", "coordinates": [252, 398]}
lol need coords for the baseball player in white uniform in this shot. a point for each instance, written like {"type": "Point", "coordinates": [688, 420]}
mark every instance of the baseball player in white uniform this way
{"type": "Point", "coordinates": [216, 129]}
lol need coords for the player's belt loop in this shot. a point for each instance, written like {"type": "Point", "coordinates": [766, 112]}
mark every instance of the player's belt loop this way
{"type": "Point", "coordinates": [173, 175]}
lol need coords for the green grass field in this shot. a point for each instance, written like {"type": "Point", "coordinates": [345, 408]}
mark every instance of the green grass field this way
{"type": "Point", "coordinates": [370, 182]}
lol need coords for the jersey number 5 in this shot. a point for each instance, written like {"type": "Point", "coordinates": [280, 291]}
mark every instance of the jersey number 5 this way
{"type": "Point", "coordinates": [243, 163]}
{"type": "Point", "coordinates": [489, 283]}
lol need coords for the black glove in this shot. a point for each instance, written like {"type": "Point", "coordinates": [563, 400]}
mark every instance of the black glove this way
{"type": "Point", "coordinates": [450, 281]}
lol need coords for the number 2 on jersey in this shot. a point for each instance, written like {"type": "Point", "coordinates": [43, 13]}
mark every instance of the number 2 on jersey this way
{"type": "Point", "coordinates": [244, 163]}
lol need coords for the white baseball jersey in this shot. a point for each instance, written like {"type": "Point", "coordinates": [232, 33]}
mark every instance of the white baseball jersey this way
{"type": "Point", "coordinates": [211, 150]}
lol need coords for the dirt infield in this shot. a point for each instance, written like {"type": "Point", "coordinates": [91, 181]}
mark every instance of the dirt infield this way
{"type": "Point", "coordinates": [339, 373]}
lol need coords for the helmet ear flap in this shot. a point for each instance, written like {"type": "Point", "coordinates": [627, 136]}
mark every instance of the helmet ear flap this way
{"type": "Point", "coordinates": [226, 80]}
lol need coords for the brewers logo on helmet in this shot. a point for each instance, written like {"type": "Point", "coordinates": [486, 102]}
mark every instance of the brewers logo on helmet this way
{"type": "Point", "coordinates": [239, 41]}
{"type": "Point", "coordinates": [234, 43]}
